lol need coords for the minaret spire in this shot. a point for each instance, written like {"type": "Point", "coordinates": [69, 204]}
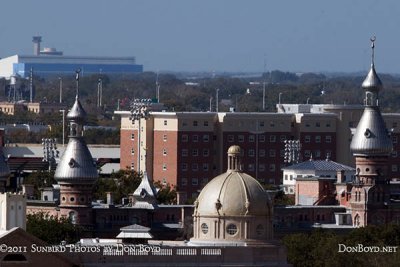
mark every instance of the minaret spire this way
{"type": "Point", "coordinates": [373, 38]}
{"type": "Point", "coordinates": [77, 72]}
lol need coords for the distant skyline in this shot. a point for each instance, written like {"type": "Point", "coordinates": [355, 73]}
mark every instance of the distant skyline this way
{"type": "Point", "coordinates": [212, 35]}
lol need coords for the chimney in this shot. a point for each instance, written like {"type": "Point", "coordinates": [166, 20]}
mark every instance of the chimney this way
{"type": "Point", "coordinates": [36, 45]}
{"type": "Point", "coordinates": [110, 200]}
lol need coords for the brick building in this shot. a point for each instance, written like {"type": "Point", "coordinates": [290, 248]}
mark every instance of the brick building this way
{"type": "Point", "coordinates": [186, 149]}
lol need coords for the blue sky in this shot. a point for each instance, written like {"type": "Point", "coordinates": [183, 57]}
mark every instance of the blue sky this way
{"type": "Point", "coordinates": [212, 35]}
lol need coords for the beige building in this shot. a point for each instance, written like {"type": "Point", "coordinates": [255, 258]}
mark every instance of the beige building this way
{"type": "Point", "coordinates": [12, 211]}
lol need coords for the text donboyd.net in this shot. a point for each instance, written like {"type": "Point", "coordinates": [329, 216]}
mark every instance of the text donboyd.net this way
{"type": "Point", "coordinates": [360, 248]}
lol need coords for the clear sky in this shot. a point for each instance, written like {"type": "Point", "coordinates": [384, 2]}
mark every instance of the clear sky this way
{"type": "Point", "coordinates": [212, 35]}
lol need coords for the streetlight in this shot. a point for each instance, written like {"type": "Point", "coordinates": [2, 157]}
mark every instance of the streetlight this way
{"type": "Point", "coordinates": [99, 92]}
{"type": "Point", "coordinates": [216, 100]}
{"type": "Point", "coordinates": [60, 79]}
{"type": "Point", "coordinates": [63, 126]}
{"type": "Point", "coordinates": [279, 98]}
{"type": "Point", "coordinates": [139, 111]}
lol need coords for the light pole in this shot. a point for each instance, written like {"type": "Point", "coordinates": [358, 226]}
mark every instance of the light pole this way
{"type": "Point", "coordinates": [216, 100]}
{"type": "Point", "coordinates": [63, 126]}
{"type": "Point", "coordinates": [60, 79]}
{"type": "Point", "coordinates": [279, 98]}
{"type": "Point", "coordinates": [99, 92]}
{"type": "Point", "coordinates": [139, 111]}
{"type": "Point", "coordinates": [263, 107]}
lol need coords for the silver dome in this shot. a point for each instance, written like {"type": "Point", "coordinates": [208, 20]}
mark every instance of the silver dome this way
{"type": "Point", "coordinates": [77, 112]}
{"type": "Point", "coordinates": [76, 163]}
{"type": "Point", "coordinates": [371, 137]}
{"type": "Point", "coordinates": [372, 81]}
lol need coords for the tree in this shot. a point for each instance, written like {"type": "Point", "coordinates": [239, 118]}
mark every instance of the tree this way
{"type": "Point", "coordinates": [121, 184]}
{"type": "Point", "coordinates": [166, 194]}
{"type": "Point", "coordinates": [40, 179]}
{"type": "Point", "coordinates": [51, 229]}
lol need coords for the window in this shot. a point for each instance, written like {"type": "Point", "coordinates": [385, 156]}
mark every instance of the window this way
{"type": "Point", "coordinates": [195, 152]}
{"type": "Point", "coordinates": [272, 124]}
{"type": "Point", "coordinates": [164, 151]}
{"type": "Point", "coordinates": [317, 153]}
{"type": "Point", "coordinates": [195, 181]}
{"type": "Point", "coordinates": [251, 167]}
{"type": "Point", "coordinates": [307, 124]}
{"type": "Point", "coordinates": [271, 167]}
{"type": "Point", "coordinates": [195, 167]}
{"type": "Point", "coordinates": [317, 124]}
{"type": "Point", "coordinates": [184, 152]}
{"type": "Point", "coordinates": [231, 229]}
{"type": "Point", "coordinates": [282, 153]}
{"type": "Point", "coordinates": [195, 123]}
{"type": "Point", "coordinates": [394, 168]}
{"type": "Point", "coordinates": [133, 136]}
{"type": "Point", "coordinates": [261, 124]}
{"type": "Point", "coordinates": [184, 123]}
{"type": "Point", "coordinates": [132, 166]}
{"type": "Point", "coordinates": [251, 152]}
{"type": "Point", "coordinates": [262, 152]}
{"type": "Point", "coordinates": [241, 138]}
{"type": "Point", "coordinates": [206, 138]}
{"type": "Point", "coordinates": [272, 138]}
{"type": "Point", "coordinates": [261, 138]}
{"type": "Point", "coordinates": [394, 139]}
{"type": "Point", "coordinates": [272, 153]}
{"type": "Point", "coordinates": [231, 138]}
{"type": "Point", "coordinates": [283, 138]}
{"type": "Point", "coordinates": [165, 122]}
{"type": "Point", "coordinates": [204, 181]}
{"type": "Point", "coordinates": [184, 181]}
{"type": "Point", "coordinates": [205, 167]}
{"type": "Point", "coordinates": [262, 167]}
{"type": "Point", "coordinates": [164, 166]}
{"type": "Point", "coordinates": [251, 138]}
{"type": "Point", "coordinates": [164, 137]}
{"type": "Point", "coordinates": [205, 123]}
{"type": "Point", "coordinates": [307, 139]}
{"type": "Point", "coordinates": [259, 230]}
{"type": "Point", "coordinates": [307, 154]}
{"type": "Point", "coordinates": [185, 138]}
{"type": "Point", "coordinates": [206, 152]}
{"type": "Point", "coordinates": [291, 177]}
{"type": "Point", "coordinates": [318, 139]}
{"type": "Point", "coordinates": [286, 177]}
{"type": "Point", "coordinates": [328, 139]}
{"type": "Point", "coordinates": [133, 151]}
{"type": "Point", "coordinates": [394, 154]}
{"type": "Point", "coordinates": [184, 167]}
{"type": "Point", "coordinates": [204, 228]}
{"type": "Point", "coordinates": [195, 138]}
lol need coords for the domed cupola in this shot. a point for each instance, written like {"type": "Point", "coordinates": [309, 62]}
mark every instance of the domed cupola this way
{"type": "Point", "coordinates": [76, 172]}
{"type": "Point", "coordinates": [233, 207]}
{"type": "Point", "coordinates": [371, 137]}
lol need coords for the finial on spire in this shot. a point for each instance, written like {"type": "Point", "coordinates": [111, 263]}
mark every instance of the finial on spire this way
{"type": "Point", "coordinates": [373, 38]}
{"type": "Point", "coordinates": [77, 72]}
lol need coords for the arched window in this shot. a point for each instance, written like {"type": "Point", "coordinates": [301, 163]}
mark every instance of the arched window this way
{"type": "Point", "coordinates": [231, 229]}
{"type": "Point", "coordinates": [204, 228]}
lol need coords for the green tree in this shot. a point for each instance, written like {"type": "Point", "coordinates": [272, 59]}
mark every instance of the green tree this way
{"type": "Point", "coordinates": [51, 229]}
{"type": "Point", "coordinates": [166, 193]}
{"type": "Point", "coordinates": [40, 179]}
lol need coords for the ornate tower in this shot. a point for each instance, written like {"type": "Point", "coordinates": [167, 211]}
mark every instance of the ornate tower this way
{"type": "Point", "coordinates": [76, 173]}
{"type": "Point", "coordinates": [371, 146]}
